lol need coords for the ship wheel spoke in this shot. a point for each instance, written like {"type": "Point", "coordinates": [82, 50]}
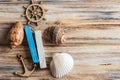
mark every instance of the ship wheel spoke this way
{"type": "Point", "coordinates": [36, 17]}
{"type": "Point", "coordinates": [32, 16]}
{"type": "Point", "coordinates": [39, 10]}
{"type": "Point", "coordinates": [29, 14]}
{"type": "Point", "coordinates": [30, 10]}
{"type": "Point", "coordinates": [37, 7]}
{"type": "Point", "coordinates": [39, 15]}
{"type": "Point", "coordinates": [33, 7]}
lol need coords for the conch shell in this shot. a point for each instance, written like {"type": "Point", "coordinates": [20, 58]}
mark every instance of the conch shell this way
{"type": "Point", "coordinates": [61, 64]}
{"type": "Point", "coordinates": [16, 35]}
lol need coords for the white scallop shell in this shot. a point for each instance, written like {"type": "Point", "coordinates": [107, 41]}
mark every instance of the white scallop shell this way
{"type": "Point", "coordinates": [61, 64]}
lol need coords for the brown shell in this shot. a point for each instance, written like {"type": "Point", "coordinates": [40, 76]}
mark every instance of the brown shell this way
{"type": "Point", "coordinates": [54, 35]}
{"type": "Point", "coordinates": [16, 35]}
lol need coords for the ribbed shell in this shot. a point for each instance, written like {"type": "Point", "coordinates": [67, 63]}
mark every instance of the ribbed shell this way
{"type": "Point", "coordinates": [61, 64]}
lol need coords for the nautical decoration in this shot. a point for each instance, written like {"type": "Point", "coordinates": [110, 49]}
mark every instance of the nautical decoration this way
{"type": "Point", "coordinates": [31, 44]}
{"type": "Point", "coordinates": [26, 71]}
{"type": "Point", "coordinates": [34, 13]}
{"type": "Point", "coordinates": [54, 35]}
{"type": "Point", "coordinates": [40, 49]}
{"type": "Point", "coordinates": [16, 35]}
{"type": "Point", "coordinates": [61, 64]}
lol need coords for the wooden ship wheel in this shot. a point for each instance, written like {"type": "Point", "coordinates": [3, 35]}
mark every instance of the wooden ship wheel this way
{"type": "Point", "coordinates": [34, 13]}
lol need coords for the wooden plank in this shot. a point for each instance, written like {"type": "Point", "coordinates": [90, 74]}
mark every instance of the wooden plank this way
{"type": "Point", "coordinates": [40, 49]}
{"type": "Point", "coordinates": [85, 13]}
{"type": "Point", "coordinates": [92, 31]}
{"type": "Point", "coordinates": [31, 44]}
{"type": "Point", "coordinates": [90, 35]}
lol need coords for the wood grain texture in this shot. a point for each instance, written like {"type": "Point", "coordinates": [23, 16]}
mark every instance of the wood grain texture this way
{"type": "Point", "coordinates": [92, 30]}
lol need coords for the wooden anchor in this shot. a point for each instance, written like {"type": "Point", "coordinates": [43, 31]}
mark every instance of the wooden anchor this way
{"type": "Point", "coordinates": [26, 71]}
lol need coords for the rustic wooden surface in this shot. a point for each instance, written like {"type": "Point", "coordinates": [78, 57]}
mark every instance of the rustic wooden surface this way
{"type": "Point", "coordinates": [92, 29]}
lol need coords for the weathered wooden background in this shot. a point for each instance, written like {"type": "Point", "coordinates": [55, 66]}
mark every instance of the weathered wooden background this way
{"type": "Point", "coordinates": [92, 29]}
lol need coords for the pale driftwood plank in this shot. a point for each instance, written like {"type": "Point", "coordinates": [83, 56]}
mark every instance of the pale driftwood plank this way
{"type": "Point", "coordinates": [40, 49]}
